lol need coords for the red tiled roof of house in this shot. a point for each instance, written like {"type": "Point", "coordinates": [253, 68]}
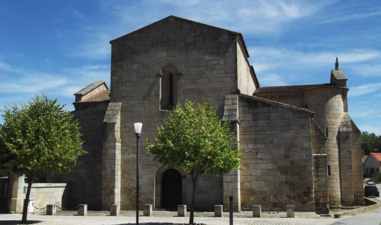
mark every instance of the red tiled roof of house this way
{"type": "Point", "coordinates": [364, 158]}
{"type": "Point", "coordinates": [98, 97]}
{"type": "Point", "coordinates": [377, 156]}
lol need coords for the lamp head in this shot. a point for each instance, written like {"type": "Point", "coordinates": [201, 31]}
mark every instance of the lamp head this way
{"type": "Point", "coordinates": [138, 128]}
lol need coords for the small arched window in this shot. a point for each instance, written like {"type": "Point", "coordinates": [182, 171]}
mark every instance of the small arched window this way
{"type": "Point", "coordinates": [168, 87]}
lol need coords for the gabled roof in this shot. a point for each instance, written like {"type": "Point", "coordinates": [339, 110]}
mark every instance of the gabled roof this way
{"type": "Point", "coordinates": [277, 104]}
{"type": "Point", "coordinates": [91, 87]}
{"type": "Point", "coordinates": [364, 158]}
{"type": "Point", "coordinates": [292, 88]}
{"type": "Point", "coordinates": [377, 156]}
{"type": "Point", "coordinates": [239, 35]}
{"type": "Point", "coordinates": [338, 74]}
{"type": "Point", "coordinates": [101, 96]}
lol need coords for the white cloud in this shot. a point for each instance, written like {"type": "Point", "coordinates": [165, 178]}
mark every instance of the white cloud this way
{"type": "Point", "coordinates": [364, 89]}
{"type": "Point", "coordinates": [271, 79]}
{"type": "Point", "coordinates": [246, 16]}
{"type": "Point", "coordinates": [265, 58]}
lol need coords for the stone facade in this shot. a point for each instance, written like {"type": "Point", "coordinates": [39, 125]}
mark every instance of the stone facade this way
{"type": "Point", "coordinates": [299, 145]}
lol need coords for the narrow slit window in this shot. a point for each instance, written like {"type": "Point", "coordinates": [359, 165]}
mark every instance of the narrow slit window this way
{"type": "Point", "coordinates": [329, 170]}
{"type": "Point", "coordinates": [326, 131]}
{"type": "Point", "coordinates": [171, 89]}
{"type": "Point", "coordinates": [306, 106]}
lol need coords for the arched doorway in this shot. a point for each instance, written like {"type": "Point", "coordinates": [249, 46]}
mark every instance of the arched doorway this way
{"type": "Point", "coordinates": [172, 190]}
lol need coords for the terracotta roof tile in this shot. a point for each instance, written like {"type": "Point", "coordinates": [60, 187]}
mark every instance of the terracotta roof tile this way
{"type": "Point", "coordinates": [377, 156]}
{"type": "Point", "coordinates": [98, 97]}
{"type": "Point", "coordinates": [292, 88]}
{"type": "Point", "coordinates": [364, 158]}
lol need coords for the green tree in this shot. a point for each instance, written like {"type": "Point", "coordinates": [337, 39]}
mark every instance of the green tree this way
{"type": "Point", "coordinates": [194, 138]}
{"type": "Point", "coordinates": [370, 143]}
{"type": "Point", "coordinates": [37, 138]}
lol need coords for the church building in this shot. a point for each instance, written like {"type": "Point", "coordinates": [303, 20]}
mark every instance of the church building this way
{"type": "Point", "coordinates": [300, 147]}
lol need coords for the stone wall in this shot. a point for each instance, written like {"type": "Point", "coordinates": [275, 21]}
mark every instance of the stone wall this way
{"type": "Point", "coordinates": [276, 169]}
{"type": "Point", "coordinates": [245, 81]}
{"type": "Point", "coordinates": [205, 58]}
{"type": "Point", "coordinates": [48, 193]}
{"type": "Point", "coordinates": [320, 183]}
{"type": "Point", "coordinates": [85, 180]}
{"type": "Point", "coordinates": [345, 156]}
{"type": "Point", "coordinates": [357, 166]}
{"type": "Point", "coordinates": [291, 98]}
{"type": "Point", "coordinates": [327, 103]}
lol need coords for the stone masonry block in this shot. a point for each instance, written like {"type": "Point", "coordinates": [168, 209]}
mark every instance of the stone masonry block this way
{"type": "Point", "coordinates": [50, 210]}
{"type": "Point", "coordinates": [218, 211]}
{"type": "Point", "coordinates": [256, 211]}
{"type": "Point", "coordinates": [290, 211]}
{"type": "Point", "coordinates": [82, 210]}
{"type": "Point", "coordinates": [147, 210]}
{"type": "Point", "coordinates": [181, 210]}
{"type": "Point", "coordinates": [114, 210]}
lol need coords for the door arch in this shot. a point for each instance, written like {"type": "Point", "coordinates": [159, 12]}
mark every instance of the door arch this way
{"type": "Point", "coordinates": [172, 190]}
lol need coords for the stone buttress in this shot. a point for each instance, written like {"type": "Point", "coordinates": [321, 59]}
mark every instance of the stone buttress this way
{"type": "Point", "coordinates": [111, 170]}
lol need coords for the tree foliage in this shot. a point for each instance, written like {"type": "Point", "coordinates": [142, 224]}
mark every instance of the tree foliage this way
{"type": "Point", "coordinates": [370, 142]}
{"type": "Point", "coordinates": [194, 138]}
{"type": "Point", "coordinates": [37, 138]}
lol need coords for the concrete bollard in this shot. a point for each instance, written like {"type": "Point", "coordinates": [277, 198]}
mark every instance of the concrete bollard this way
{"type": "Point", "coordinates": [256, 211]}
{"type": "Point", "coordinates": [114, 210]}
{"type": "Point", "coordinates": [82, 210]}
{"type": "Point", "coordinates": [147, 210]}
{"type": "Point", "coordinates": [182, 210]}
{"type": "Point", "coordinates": [51, 210]}
{"type": "Point", "coordinates": [218, 209]}
{"type": "Point", "coordinates": [290, 211]}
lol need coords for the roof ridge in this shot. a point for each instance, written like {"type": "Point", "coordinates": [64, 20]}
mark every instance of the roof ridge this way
{"type": "Point", "coordinates": [176, 18]}
{"type": "Point", "coordinates": [93, 98]}
{"type": "Point", "coordinates": [283, 105]}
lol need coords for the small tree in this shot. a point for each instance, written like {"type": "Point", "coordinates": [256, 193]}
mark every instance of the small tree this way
{"type": "Point", "coordinates": [194, 138]}
{"type": "Point", "coordinates": [37, 138]}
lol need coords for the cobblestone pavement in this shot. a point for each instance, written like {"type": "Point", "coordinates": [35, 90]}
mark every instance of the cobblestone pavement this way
{"type": "Point", "coordinates": [121, 220]}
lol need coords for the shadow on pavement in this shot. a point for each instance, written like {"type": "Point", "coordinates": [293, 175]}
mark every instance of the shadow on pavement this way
{"type": "Point", "coordinates": [153, 223]}
{"type": "Point", "coordinates": [12, 222]}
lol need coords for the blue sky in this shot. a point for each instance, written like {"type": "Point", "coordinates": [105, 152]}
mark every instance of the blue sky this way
{"type": "Point", "coordinates": [59, 47]}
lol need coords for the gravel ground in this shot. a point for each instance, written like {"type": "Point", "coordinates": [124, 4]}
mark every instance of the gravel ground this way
{"type": "Point", "coordinates": [120, 220]}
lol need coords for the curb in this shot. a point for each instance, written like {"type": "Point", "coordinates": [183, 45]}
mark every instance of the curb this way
{"type": "Point", "coordinates": [358, 210]}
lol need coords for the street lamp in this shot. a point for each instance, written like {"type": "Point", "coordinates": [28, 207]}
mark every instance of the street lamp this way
{"type": "Point", "coordinates": [138, 130]}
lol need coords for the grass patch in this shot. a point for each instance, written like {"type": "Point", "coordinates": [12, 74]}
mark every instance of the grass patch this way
{"type": "Point", "coordinates": [376, 178]}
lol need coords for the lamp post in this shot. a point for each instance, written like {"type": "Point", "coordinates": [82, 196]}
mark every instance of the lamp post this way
{"type": "Point", "coordinates": [138, 130]}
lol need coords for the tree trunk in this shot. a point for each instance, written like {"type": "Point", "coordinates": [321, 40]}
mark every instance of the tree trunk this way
{"type": "Point", "coordinates": [194, 182]}
{"type": "Point", "coordinates": [26, 201]}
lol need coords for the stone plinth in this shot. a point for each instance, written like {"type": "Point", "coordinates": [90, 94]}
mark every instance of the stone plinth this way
{"type": "Point", "coordinates": [147, 210]}
{"type": "Point", "coordinates": [50, 209]}
{"type": "Point", "coordinates": [82, 210]}
{"type": "Point", "coordinates": [114, 210]}
{"type": "Point", "coordinates": [182, 210]}
{"type": "Point", "coordinates": [290, 211]}
{"type": "Point", "coordinates": [256, 211]}
{"type": "Point", "coordinates": [218, 211]}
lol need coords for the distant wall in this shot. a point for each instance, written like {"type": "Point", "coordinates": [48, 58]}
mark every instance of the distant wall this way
{"type": "Point", "coordinates": [48, 193]}
{"type": "Point", "coordinates": [85, 180]}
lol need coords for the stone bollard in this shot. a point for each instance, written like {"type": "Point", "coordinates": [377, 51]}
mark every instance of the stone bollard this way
{"type": "Point", "coordinates": [114, 210]}
{"type": "Point", "coordinates": [82, 210]}
{"type": "Point", "coordinates": [147, 210]}
{"type": "Point", "coordinates": [218, 209]}
{"type": "Point", "coordinates": [182, 210]}
{"type": "Point", "coordinates": [256, 211]}
{"type": "Point", "coordinates": [290, 211]}
{"type": "Point", "coordinates": [51, 210]}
